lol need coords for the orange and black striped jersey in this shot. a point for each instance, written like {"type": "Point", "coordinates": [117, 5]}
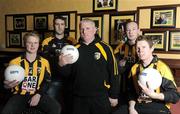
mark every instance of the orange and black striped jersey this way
{"type": "Point", "coordinates": [168, 86]}
{"type": "Point", "coordinates": [37, 76]}
{"type": "Point", "coordinates": [125, 51]}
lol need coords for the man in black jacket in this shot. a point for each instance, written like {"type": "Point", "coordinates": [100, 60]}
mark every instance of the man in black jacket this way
{"type": "Point", "coordinates": [95, 74]}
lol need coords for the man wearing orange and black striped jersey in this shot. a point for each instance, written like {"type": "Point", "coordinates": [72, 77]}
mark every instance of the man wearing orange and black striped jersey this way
{"type": "Point", "coordinates": [126, 57]}
{"type": "Point", "coordinates": [158, 100]}
{"type": "Point", "coordinates": [60, 87]}
{"type": "Point", "coordinates": [37, 73]}
{"type": "Point", "coordinates": [95, 73]}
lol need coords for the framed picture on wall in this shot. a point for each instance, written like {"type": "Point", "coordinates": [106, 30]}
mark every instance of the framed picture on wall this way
{"type": "Point", "coordinates": [19, 22]}
{"type": "Point", "coordinates": [40, 22]}
{"type": "Point", "coordinates": [118, 26]}
{"type": "Point", "coordinates": [174, 40]}
{"type": "Point", "coordinates": [14, 39]}
{"type": "Point", "coordinates": [67, 19]}
{"type": "Point", "coordinates": [165, 17]}
{"type": "Point", "coordinates": [104, 5]}
{"type": "Point", "coordinates": [98, 19]}
{"type": "Point", "coordinates": [159, 39]}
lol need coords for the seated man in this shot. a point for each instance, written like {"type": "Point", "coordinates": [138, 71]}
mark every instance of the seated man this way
{"type": "Point", "coordinates": [25, 96]}
{"type": "Point", "coordinates": [142, 100]}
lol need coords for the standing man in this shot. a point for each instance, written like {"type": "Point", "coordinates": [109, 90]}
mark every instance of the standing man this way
{"type": "Point", "coordinates": [60, 87]}
{"type": "Point", "coordinates": [37, 72]}
{"type": "Point", "coordinates": [126, 57]}
{"type": "Point", "coordinates": [95, 74]}
{"type": "Point", "coordinates": [142, 100]}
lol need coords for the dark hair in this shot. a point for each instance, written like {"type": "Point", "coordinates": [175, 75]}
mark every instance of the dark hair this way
{"type": "Point", "coordinates": [59, 17]}
{"type": "Point", "coordinates": [148, 39]}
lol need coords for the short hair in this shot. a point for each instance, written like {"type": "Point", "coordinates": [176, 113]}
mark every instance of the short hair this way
{"type": "Point", "coordinates": [148, 39]}
{"type": "Point", "coordinates": [130, 21]}
{"type": "Point", "coordinates": [88, 21]}
{"type": "Point", "coordinates": [27, 35]}
{"type": "Point", "coordinates": [59, 17]}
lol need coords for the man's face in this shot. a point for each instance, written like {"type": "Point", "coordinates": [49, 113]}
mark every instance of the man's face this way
{"type": "Point", "coordinates": [32, 44]}
{"type": "Point", "coordinates": [87, 31]}
{"type": "Point", "coordinates": [59, 26]}
{"type": "Point", "coordinates": [143, 50]}
{"type": "Point", "coordinates": [132, 31]}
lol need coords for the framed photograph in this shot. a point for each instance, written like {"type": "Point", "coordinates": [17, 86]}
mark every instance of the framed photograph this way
{"type": "Point", "coordinates": [159, 39]}
{"type": "Point", "coordinates": [103, 5]}
{"type": "Point", "coordinates": [40, 22]}
{"type": "Point", "coordinates": [14, 39]}
{"type": "Point", "coordinates": [67, 19]}
{"type": "Point", "coordinates": [118, 26]}
{"type": "Point", "coordinates": [165, 17]}
{"type": "Point", "coordinates": [98, 23]}
{"type": "Point", "coordinates": [19, 22]}
{"type": "Point", "coordinates": [174, 40]}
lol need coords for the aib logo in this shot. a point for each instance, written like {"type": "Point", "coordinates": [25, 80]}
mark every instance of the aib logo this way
{"type": "Point", "coordinates": [14, 72]}
{"type": "Point", "coordinates": [144, 74]}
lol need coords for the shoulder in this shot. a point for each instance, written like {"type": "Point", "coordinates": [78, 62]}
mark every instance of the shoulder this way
{"type": "Point", "coordinates": [118, 47]}
{"type": "Point", "coordinates": [47, 40]}
{"type": "Point", "coordinates": [16, 60]}
{"type": "Point", "coordinates": [72, 40]}
{"type": "Point", "coordinates": [134, 69]}
{"type": "Point", "coordinates": [105, 45]}
{"type": "Point", "coordinates": [164, 69]}
{"type": "Point", "coordinates": [43, 60]}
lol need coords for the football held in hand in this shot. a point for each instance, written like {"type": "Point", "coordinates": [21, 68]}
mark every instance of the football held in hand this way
{"type": "Point", "coordinates": [14, 72]}
{"type": "Point", "coordinates": [151, 78]}
{"type": "Point", "coordinates": [73, 51]}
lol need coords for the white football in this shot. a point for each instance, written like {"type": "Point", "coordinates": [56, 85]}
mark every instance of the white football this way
{"type": "Point", "coordinates": [152, 76]}
{"type": "Point", "coordinates": [14, 72]}
{"type": "Point", "coordinates": [72, 50]}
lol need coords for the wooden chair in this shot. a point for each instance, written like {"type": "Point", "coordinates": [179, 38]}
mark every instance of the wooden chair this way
{"type": "Point", "coordinates": [175, 108]}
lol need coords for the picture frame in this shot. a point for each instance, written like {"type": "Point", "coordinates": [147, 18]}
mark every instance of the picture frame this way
{"type": "Point", "coordinates": [174, 40]}
{"type": "Point", "coordinates": [40, 22]}
{"type": "Point", "coordinates": [163, 17]}
{"type": "Point", "coordinates": [158, 37]}
{"type": "Point", "coordinates": [14, 40]}
{"type": "Point", "coordinates": [105, 5]}
{"type": "Point", "coordinates": [19, 22]}
{"type": "Point", "coordinates": [98, 19]}
{"type": "Point", "coordinates": [67, 19]}
{"type": "Point", "coordinates": [118, 25]}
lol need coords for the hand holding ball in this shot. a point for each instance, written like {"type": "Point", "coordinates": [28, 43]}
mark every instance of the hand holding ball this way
{"type": "Point", "coordinates": [14, 72]}
{"type": "Point", "coordinates": [73, 51]}
{"type": "Point", "coordinates": [152, 77]}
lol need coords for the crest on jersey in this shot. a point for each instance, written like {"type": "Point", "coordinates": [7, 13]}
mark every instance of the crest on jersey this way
{"type": "Point", "coordinates": [97, 55]}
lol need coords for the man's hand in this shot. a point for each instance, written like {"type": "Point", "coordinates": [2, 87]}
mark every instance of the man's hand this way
{"type": "Point", "coordinates": [65, 59]}
{"type": "Point", "coordinates": [35, 100]}
{"type": "Point", "coordinates": [10, 84]}
{"type": "Point", "coordinates": [132, 109]}
{"type": "Point", "coordinates": [150, 92]}
{"type": "Point", "coordinates": [113, 102]}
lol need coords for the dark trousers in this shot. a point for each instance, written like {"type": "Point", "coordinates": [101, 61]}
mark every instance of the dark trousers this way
{"type": "Point", "coordinates": [18, 103]}
{"type": "Point", "coordinates": [91, 105]}
{"type": "Point", "coordinates": [144, 108]}
{"type": "Point", "coordinates": [60, 91]}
